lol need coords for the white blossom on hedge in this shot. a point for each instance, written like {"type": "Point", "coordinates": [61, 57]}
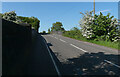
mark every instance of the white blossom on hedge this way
{"type": "Point", "coordinates": [85, 24]}
{"type": "Point", "coordinates": [11, 16]}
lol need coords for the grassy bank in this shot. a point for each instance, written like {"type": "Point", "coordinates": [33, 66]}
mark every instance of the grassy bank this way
{"type": "Point", "coordinates": [102, 43]}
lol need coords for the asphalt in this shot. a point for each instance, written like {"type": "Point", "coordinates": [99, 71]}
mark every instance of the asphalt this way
{"type": "Point", "coordinates": [40, 62]}
{"type": "Point", "coordinates": [55, 55]}
{"type": "Point", "coordinates": [35, 61]}
{"type": "Point", "coordinates": [75, 57]}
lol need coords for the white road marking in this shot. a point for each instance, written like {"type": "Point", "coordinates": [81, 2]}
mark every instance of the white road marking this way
{"type": "Point", "coordinates": [62, 40]}
{"type": "Point", "coordinates": [78, 48]}
{"type": "Point", "coordinates": [53, 60]}
{"type": "Point", "coordinates": [56, 37]}
{"type": "Point", "coordinates": [102, 51]}
{"type": "Point", "coordinates": [112, 63]}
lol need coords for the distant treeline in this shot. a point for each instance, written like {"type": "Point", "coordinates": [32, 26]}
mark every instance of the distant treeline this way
{"type": "Point", "coordinates": [56, 28]}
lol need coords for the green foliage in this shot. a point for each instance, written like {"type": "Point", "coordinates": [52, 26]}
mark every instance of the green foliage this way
{"type": "Point", "coordinates": [85, 24]}
{"type": "Point", "coordinates": [49, 31]}
{"type": "Point", "coordinates": [74, 33]}
{"type": "Point", "coordinates": [77, 34]}
{"type": "Point", "coordinates": [44, 32]}
{"type": "Point", "coordinates": [104, 28]}
{"type": "Point", "coordinates": [57, 27]}
{"type": "Point", "coordinates": [1, 14]}
{"type": "Point", "coordinates": [11, 16]}
{"type": "Point", "coordinates": [31, 20]}
{"type": "Point", "coordinates": [99, 27]}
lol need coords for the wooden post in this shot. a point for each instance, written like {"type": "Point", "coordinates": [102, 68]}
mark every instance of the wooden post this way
{"type": "Point", "coordinates": [94, 7]}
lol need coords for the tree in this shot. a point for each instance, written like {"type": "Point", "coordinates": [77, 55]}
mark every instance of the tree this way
{"type": "Point", "coordinates": [104, 27]}
{"type": "Point", "coordinates": [31, 20]}
{"type": "Point", "coordinates": [49, 30]}
{"type": "Point", "coordinates": [1, 14]}
{"type": "Point", "coordinates": [73, 33]}
{"type": "Point", "coordinates": [85, 24]}
{"type": "Point", "coordinates": [57, 27]}
{"type": "Point", "coordinates": [75, 29]}
{"type": "Point", "coordinates": [99, 27]}
{"type": "Point", "coordinates": [44, 32]}
{"type": "Point", "coordinates": [12, 16]}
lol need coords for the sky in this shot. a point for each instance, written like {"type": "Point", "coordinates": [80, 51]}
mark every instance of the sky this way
{"type": "Point", "coordinates": [66, 12]}
{"type": "Point", "coordinates": [59, 0]}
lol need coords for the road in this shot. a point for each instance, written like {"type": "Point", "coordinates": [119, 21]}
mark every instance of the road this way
{"type": "Point", "coordinates": [39, 60]}
{"type": "Point", "coordinates": [33, 59]}
{"type": "Point", "coordinates": [82, 58]}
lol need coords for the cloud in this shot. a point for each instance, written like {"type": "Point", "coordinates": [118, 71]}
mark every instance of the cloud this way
{"type": "Point", "coordinates": [103, 11]}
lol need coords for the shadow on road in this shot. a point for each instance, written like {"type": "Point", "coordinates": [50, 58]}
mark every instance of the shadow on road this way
{"type": "Point", "coordinates": [49, 44]}
{"type": "Point", "coordinates": [43, 33]}
{"type": "Point", "coordinates": [92, 64]}
{"type": "Point", "coordinates": [88, 64]}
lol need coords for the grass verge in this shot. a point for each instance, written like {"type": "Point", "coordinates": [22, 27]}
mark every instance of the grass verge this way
{"type": "Point", "coordinates": [114, 45]}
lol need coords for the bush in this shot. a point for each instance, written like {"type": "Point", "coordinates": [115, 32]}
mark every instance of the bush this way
{"type": "Point", "coordinates": [44, 32]}
{"type": "Point", "coordinates": [99, 27]}
{"type": "Point", "coordinates": [12, 16]}
{"type": "Point", "coordinates": [57, 27]}
{"type": "Point", "coordinates": [31, 20]}
{"type": "Point", "coordinates": [74, 33]}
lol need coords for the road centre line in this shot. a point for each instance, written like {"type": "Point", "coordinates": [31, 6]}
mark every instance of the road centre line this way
{"type": "Point", "coordinates": [87, 51]}
{"type": "Point", "coordinates": [56, 37]}
{"type": "Point", "coordinates": [95, 45]}
{"type": "Point", "coordinates": [78, 48]}
{"type": "Point", "coordinates": [112, 63]}
{"type": "Point", "coordinates": [62, 40]}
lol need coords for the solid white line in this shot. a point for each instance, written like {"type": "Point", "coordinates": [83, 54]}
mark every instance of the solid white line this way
{"type": "Point", "coordinates": [53, 60]}
{"type": "Point", "coordinates": [112, 63]}
{"type": "Point", "coordinates": [62, 40]}
{"type": "Point", "coordinates": [78, 48]}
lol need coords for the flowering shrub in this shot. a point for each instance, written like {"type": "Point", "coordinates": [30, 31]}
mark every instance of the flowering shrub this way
{"type": "Point", "coordinates": [11, 16]}
{"type": "Point", "coordinates": [99, 27]}
{"type": "Point", "coordinates": [86, 23]}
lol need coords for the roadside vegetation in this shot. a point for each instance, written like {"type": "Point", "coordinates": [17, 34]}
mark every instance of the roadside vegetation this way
{"type": "Point", "coordinates": [12, 16]}
{"type": "Point", "coordinates": [43, 32]}
{"type": "Point", "coordinates": [75, 33]}
{"type": "Point", "coordinates": [31, 20]}
{"type": "Point", "coordinates": [98, 29]}
{"type": "Point", "coordinates": [56, 28]}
